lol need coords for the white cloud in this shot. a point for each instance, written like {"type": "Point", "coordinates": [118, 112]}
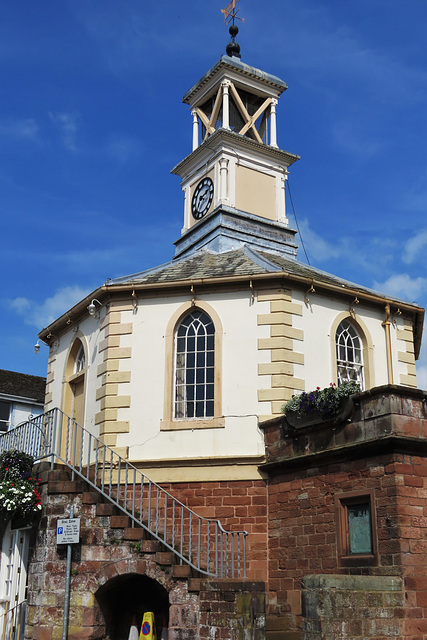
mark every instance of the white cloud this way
{"type": "Point", "coordinates": [25, 129]}
{"type": "Point", "coordinates": [414, 246]}
{"type": "Point", "coordinates": [401, 285]}
{"type": "Point", "coordinates": [67, 123]}
{"type": "Point", "coordinates": [422, 376]}
{"type": "Point", "coordinates": [41, 314]}
{"type": "Point", "coordinates": [317, 247]}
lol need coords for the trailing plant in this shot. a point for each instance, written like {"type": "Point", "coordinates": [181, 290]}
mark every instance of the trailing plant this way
{"type": "Point", "coordinates": [324, 401]}
{"type": "Point", "coordinates": [19, 494]}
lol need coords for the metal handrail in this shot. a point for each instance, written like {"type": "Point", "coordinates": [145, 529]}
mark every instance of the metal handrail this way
{"type": "Point", "coordinates": [197, 541]}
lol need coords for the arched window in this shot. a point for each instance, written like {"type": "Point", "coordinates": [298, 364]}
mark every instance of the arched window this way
{"type": "Point", "coordinates": [80, 361]}
{"type": "Point", "coordinates": [194, 367]}
{"type": "Point", "coordinates": [349, 354]}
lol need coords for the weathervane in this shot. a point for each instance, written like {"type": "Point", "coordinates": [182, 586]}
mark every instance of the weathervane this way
{"type": "Point", "coordinates": [230, 14]}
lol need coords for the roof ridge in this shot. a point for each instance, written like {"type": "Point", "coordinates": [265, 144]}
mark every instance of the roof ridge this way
{"type": "Point", "coordinates": [259, 259]}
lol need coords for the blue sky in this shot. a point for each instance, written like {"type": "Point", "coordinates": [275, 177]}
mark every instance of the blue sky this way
{"type": "Point", "coordinates": [91, 122]}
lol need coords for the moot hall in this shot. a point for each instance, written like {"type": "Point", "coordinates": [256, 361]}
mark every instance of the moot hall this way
{"type": "Point", "coordinates": [163, 435]}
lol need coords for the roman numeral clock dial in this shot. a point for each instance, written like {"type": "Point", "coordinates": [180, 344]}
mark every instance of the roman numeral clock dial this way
{"type": "Point", "coordinates": [202, 198]}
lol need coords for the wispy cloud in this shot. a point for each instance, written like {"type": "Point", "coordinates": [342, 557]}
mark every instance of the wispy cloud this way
{"type": "Point", "coordinates": [40, 314]}
{"type": "Point", "coordinates": [350, 136]}
{"type": "Point", "coordinates": [67, 125]}
{"type": "Point", "coordinates": [402, 285]}
{"type": "Point", "coordinates": [316, 246]}
{"type": "Point", "coordinates": [414, 246]}
{"type": "Point", "coordinates": [21, 129]}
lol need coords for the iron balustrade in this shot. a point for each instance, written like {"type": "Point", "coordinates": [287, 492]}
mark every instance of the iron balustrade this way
{"type": "Point", "coordinates": [197, 541]}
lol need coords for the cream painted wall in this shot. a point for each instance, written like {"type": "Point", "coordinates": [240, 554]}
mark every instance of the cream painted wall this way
{"type": "Point", "coordinates": [88, 332]}
{"type": "Point", "coordinates": [240, 436]}
{"type": "Point", "coordinates": [316, 321]}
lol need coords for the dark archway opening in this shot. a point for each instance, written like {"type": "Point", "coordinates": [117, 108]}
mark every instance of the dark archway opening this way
{"type": "Point", "coordinates": [130, 595]}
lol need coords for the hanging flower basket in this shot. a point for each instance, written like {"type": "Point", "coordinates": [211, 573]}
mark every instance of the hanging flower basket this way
{"type": "Point", "coordinates": [331, 405]}
{"type": "Point", "coordinates": [19, 496]}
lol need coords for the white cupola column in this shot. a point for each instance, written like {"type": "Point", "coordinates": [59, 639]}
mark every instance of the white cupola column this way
{"type": "Point", "coordinates": [223, 172]}
{"type": "Point", "coordinates": [273, 127]}
{"type": "Point", "coordinates": [282, 198]}
{"type": "Point", "coordinates": [225, 104]}
{"type": "Point", "coordinates": [195, 129]}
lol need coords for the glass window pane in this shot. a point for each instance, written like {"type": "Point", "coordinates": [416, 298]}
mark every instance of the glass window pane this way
{"type": "Point", "coordinates": [359, 528]}
{"type": "Point", "coordinates": [200, 392]}
{"type": "Point", "coordinates": [190, 410]}
{"type": "Point", "coordinates": [201, 359]}
{"type": "Point", "coordinates": [210, 408]}
{"type": "Point", "coordinates": [200, 409]}
{"type": "Point", "coordinates": [194, 364]}
{"type": "Point", "coordinates": [191, 360]}
{"type": "Point", "coordinates": [210, 391]}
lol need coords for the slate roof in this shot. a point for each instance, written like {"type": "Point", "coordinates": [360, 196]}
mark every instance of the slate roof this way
{"type": "Point", "coordinates": [22, 385]}
{"type": "Point", "coordinates": [205, 264]}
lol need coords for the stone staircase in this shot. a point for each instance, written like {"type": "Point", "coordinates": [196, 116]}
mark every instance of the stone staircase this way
{"type": "Point", "coordinates": [118, 569]}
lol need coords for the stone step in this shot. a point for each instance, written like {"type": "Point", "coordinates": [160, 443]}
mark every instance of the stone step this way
{"type": "Point", "coordinates": [133, 533]}
{"type": "Point", "coordinates": [65, 486]}
{"type": "Point", "coordinates": [165, 558]}
{"type": "Point", "coordinates": [120, 522]}
{"type": "Point", "coordinates": [105, 509]}
{"type": "Point", "coordinates": [181, 571]}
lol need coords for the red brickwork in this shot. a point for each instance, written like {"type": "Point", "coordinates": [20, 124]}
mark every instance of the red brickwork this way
{"type": "Point", "coordinates": [383, 453]}
{"type": "Point", "coordinates": [239, 505]}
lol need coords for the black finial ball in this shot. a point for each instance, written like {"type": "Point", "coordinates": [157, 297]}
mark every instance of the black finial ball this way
{"type": "Point", "coordinates": [233, 30]}
{"type": "Point", "coordinates": [233, 49]}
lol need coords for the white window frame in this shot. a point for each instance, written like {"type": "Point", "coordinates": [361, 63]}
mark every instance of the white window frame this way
{"type": "Point", "coordinates": [194, 370]}
{"type": "Point", "coordinates": [349, 350]}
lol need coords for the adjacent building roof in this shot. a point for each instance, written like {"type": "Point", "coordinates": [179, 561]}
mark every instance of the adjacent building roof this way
{"type": "Point", "coordinates": [22, 385]}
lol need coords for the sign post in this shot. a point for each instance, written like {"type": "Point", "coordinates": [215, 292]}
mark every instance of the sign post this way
{"type": "Point", "coordinates": [68, 532]}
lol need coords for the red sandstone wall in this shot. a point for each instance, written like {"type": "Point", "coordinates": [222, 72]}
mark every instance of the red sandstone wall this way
{"type": "Point", "coordinates": [303, 539]}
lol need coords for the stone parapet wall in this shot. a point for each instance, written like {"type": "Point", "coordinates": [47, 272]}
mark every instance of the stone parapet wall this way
{"type": "Point", "coordinates": [352, 607]}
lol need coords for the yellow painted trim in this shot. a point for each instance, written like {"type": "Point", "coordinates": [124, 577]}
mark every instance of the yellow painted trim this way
{"type": "Point", "coordinates": [404, 356]}
{"type": "Point", "coordinates": [269, 295]}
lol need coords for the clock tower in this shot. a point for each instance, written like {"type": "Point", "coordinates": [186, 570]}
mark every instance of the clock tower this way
{"type": "Point", "coordinates": [234, 179]}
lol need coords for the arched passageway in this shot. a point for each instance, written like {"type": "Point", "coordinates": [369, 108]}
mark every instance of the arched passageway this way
{"type": "Point", "coordinates": [130, 595]}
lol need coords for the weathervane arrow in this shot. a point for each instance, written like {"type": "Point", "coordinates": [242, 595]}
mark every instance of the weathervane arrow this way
{"type": "Point", "coordinates": [230, 12]}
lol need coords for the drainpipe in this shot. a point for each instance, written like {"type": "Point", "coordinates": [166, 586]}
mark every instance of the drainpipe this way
{"type": "Point", "coordinates": [386, 324]}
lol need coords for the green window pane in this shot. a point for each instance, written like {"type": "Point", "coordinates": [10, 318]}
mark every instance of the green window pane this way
{"type": "Point", "coordinates": [359, 528]}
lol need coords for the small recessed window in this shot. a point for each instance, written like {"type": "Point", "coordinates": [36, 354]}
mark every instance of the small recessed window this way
{"type": "Point", "coordinates": [359, 528]}
{"type": "Point", "coordinates": [356, 531]}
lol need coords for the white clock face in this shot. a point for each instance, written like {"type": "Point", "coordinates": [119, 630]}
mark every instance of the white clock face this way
{"type": "Point", "coordinates": [202, 198]}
